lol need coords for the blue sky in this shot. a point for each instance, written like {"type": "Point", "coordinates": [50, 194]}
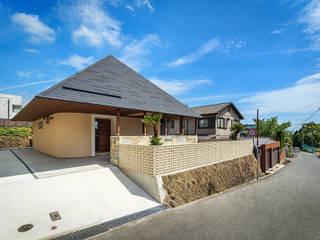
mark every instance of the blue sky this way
{"type": "Point", "coordinates": [256, 53]}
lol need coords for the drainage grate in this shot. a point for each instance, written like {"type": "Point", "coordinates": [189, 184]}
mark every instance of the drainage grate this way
{"type": "Point", "coordinates": [55, 216]}
{"type": "Point", "coordinates": [103, 227]}
{"type": "Point", "coordinates": [25, 228]}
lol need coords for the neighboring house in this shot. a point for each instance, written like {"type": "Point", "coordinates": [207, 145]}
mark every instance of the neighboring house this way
{"type": "Point", "coordinates": [9, 105]}
{"type": "Point", "coordinates": [270, 152]}
{"type": "Point", "coordinates": [217, 120]}
{"type": "Point", "coordinates": [76, 117]}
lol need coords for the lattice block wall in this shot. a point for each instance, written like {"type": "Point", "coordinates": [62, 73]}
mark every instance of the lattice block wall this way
{"type": "Point", "coordinates": [137, 157]}
{"type": "Point", "coordinates": [159, 160]}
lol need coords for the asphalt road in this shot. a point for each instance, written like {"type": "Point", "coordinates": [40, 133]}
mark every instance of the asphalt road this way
{"type": "Point", "coordinates": [284, 205]}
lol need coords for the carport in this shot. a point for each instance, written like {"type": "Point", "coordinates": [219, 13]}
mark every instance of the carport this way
{"type": "Point", "coordinates": [42, 165]}
{"type": "Point", "coordinates": [84, 191]}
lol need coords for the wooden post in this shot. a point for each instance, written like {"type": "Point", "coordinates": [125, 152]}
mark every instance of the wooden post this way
{"type": "Point", "coordinates": [118, 123]}
{"type": "Point", "coordinates": [195, 126]}
{"type": "Point", "coordinates": [144, 126]}
{"type": "Point", "coordinates": [181, 126]}
{"type": "Point", "coordinates": [165, 125]}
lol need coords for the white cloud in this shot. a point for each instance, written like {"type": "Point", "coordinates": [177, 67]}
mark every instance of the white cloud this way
{"type": "Point", "coordinates": [310, 16]}
{"type": "Point", "coordinates": [214, 44]}
{"type": "Point", "coordinates": [277, 31]}
{"type": "Point", "coordinates": [134, 52]}
{"type": "Point", "coordinates": [29, 74]}
{"type": "Point", "coordinates": [29, 84]}
{"type": "Point", "coordinates": [32, 25]}
{"type": "Point", "coordinates": [201, 52]}
{"type": "Point", "coordinates": [130, 8]}
{"type": "Point", "coordinates": [146, 3]}
{"type": "Point", "coordinates": [302, 95]}
{"type": "Point", "coordinates": [77, 61]}
{"type": "Point", "coordinates": [31, 50]}
{"type": "Point", "coordinates": [216, 97]}
{"type": "Point", "coordinates": [173, 86]}
{"type": "Point", "coordinates": [25, 74]}
{"type": "Point", "coordinates": [114, 2]}
{"type": "Point", "coordinates": [92, 23]}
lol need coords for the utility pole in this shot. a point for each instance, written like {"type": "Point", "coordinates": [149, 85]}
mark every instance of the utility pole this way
{"type": "Point", "coordinates": [257, 127]}
{"type": "Point", "coordinates": [257, 148]}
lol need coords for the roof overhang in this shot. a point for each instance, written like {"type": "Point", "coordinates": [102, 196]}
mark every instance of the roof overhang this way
{"type": "Point", "coordinates": [40, 107]}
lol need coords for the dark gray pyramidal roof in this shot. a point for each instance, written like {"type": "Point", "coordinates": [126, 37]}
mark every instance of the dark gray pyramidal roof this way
{"type": "Point", "coordinates": [110, 82]}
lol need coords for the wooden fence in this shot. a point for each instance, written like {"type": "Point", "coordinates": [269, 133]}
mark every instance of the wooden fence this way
{"type": "Point", "coordinates": [9, 123]}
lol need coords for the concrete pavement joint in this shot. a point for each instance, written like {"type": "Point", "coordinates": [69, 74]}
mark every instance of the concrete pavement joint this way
{"type": "Point", "coordinates": [27, 167]}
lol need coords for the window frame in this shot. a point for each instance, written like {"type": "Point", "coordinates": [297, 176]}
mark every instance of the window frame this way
{"type": "Point", "coordinates": [201, 120]}
{"type": "Point", "coordinates": [171, 123]}
{"type": "Point", "coordinates": [40, 125]}
{"type": "Point", "coordinates": [220, 122]}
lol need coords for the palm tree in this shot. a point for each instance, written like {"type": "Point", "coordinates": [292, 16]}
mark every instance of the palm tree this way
{"type": "Point", "coordinates": [154, 120]}
{"type": "Point", "coordinates": [236, 129]}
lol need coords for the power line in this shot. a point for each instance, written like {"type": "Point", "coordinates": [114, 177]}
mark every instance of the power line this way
{"type": "Point", "coordinates": [312, 115]}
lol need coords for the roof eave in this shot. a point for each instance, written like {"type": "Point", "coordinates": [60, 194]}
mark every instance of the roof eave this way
{"type": "Point", "coordinates": [30, 107]}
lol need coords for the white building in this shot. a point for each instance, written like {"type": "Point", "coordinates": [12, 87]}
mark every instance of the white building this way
{"type": "Point", "coordinates": [9, 105]}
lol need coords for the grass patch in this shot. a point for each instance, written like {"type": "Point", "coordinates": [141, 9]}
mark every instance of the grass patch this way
{"type": "Point", "coordinates": [16, 132]}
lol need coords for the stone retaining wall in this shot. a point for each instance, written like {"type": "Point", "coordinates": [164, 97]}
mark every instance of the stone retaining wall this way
{"type": "Point", "coordinates": [187, 186]}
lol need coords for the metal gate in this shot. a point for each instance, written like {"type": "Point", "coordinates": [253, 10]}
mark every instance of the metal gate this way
{"type": "Point", "coordinates": [268, 160]}
{"type": "Point", "coordinates": [275, 156]}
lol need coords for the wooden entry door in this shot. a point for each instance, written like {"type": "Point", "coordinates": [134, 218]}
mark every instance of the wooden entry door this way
{"type": "Point", "coordinates": [104, 133]}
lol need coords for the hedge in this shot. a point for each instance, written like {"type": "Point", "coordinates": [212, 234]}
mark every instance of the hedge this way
{"type": "Point", "coordinates": [16, 132]}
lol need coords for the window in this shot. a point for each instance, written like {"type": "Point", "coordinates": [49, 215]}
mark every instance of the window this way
{"type": "Point", "coordinates": [233, 122]}
{"type": "Point", "coordinates": [203, 123]}
{"type": "Point", "coordinates": [226, 122]}
{"type": "Point", "coordinates": [40, 125]}
{"type": "Point", "coordinates": [220, 122]}
{"type": "Point", "coordinates": [170, 123]}
{"type": "Point", "coordinates": [206, 123]}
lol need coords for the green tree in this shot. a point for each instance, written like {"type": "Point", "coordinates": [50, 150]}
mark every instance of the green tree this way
{"type": "Point", "coordinates": [272, 129]}
{"type": "Point", "coordinates": [235, 130]}
{"type": "Point", "coordinates": [309, 134]}
{"type": "Point", "coordinates": [154, 120]}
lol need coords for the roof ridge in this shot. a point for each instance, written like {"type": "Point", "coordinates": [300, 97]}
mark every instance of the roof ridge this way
{"type": "Point", "coordinates": [212, 104]}
{"type": "Point", "coordinates": [149, 81]}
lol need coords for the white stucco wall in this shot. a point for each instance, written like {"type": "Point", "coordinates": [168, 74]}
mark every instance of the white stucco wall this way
{"type": "Point", "coordinates": [8, 105]}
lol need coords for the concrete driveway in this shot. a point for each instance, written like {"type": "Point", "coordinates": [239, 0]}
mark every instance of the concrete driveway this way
{"type": "Point", "coordinates": [82, 198]}
{"type": "Point", "coordinates": [285, 205]}
{"type": "Point", "coordinates": [11, 169]}
{"type": "Point", "coordinates": [43, 165]}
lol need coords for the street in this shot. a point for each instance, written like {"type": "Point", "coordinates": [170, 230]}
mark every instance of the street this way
{"type": "Point", "coordinates": [285, 205]}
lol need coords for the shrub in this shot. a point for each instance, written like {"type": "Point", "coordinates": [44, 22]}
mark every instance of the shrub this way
{"type": "Point", "coordinates": [154, 120]}
{"type": "Point", "coordinates": [155, 140]}
{"type": "Point", "coordinates": [236, 129]}
{"type": "Point", "coordinates": [16, 132]}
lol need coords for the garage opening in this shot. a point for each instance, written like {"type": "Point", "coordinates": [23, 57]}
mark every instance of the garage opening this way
{"type": "Point", "coordinates": [275, 156]}
{"type": "Point", "coordinates": [102, 135]}
{"type": "Point", "coordinates": [269, 152]}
